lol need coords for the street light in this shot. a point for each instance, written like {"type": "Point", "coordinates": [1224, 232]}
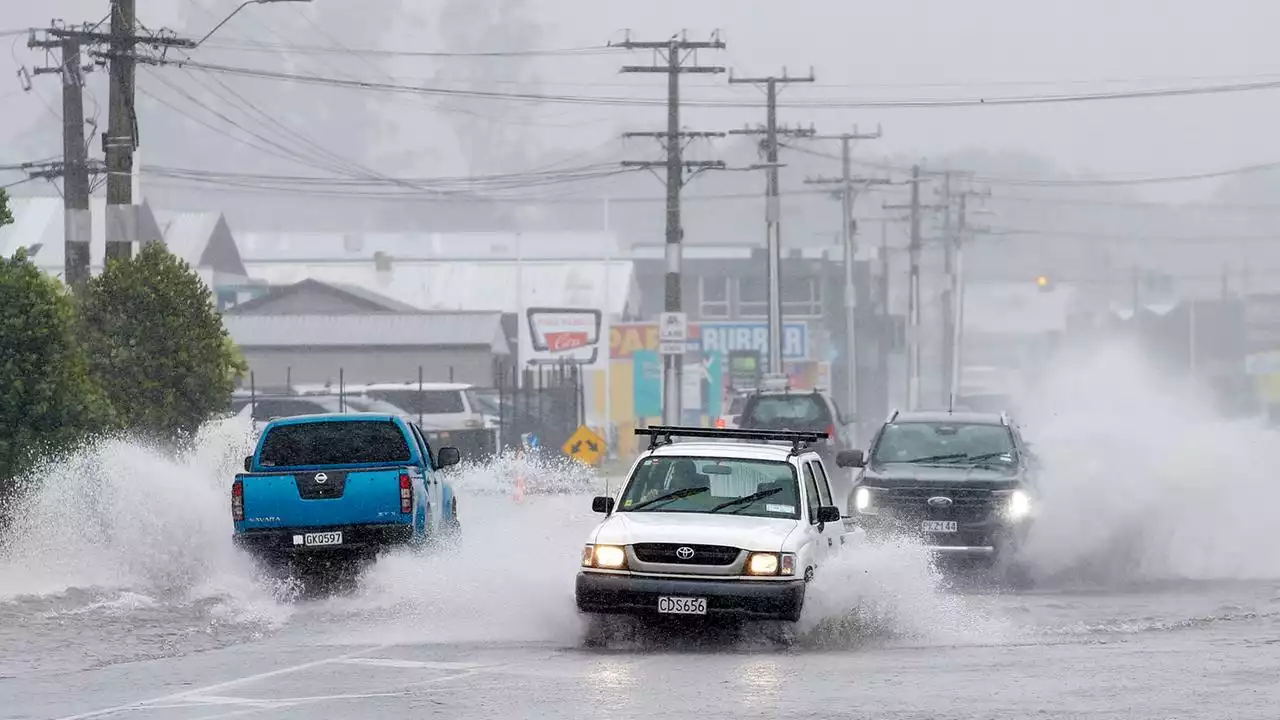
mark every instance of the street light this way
{"type": "Point", "coordinates": [235, 12]}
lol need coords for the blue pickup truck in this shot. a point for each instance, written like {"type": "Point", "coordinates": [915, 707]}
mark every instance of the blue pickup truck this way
{"type": "Point", "coordinates": [348, 484]}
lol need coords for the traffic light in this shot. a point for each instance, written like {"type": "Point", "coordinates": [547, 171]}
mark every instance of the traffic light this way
{"type": "Point", "coordinates": [1044, 283]}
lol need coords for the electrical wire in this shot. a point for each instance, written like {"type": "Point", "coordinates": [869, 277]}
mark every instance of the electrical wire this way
{"type": "Point", "coordinates": [1058, 182]}
{"type": "Point", "coordinates": [325, 50]}
{"type": "Point", "coordinates": [801, 104]}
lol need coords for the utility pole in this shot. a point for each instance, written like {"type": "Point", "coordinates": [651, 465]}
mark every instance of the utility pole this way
{"type": "Point", "coordinates": [74, 170]}
{"type": "Point", "coordinates": [955, 304]}
{"type": "Point", "coordinates": [849, 188]}
{"type": "Point", "coordinates": [120, 138]}
{"type": "Point", "coordinates": [913, 291]}
{"type": "Point", "coordinates": [950, 240]}
{"type": "Point", "coordinates": [673, 57]}
{"type": "Point", "coordinates": [122, 135]}
{"type": "Point", "coordinates": [773, 202]}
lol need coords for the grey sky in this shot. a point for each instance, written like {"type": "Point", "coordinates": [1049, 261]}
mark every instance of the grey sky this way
{"type": "Point", "coordinates": [887, 48]}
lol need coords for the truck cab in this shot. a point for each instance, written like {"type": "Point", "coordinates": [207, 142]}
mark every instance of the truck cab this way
{"type": "Point", "coordinates": [351, 483]}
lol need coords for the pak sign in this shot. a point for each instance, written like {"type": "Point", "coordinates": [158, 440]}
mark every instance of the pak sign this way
{"type": "Point", "coordinates": [729, 337]}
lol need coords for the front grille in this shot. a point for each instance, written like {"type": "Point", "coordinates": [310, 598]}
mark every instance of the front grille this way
{"type": "Point", "coordinates": [669, 553]}
{"type": "Point", "coordinates": [967, 504]}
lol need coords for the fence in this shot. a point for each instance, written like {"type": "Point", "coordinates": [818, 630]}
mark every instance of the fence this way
{"type": "Point", "coordinates": [542, 402]}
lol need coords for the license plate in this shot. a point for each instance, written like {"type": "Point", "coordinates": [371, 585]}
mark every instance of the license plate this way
{"type": "Point", "coordinates": [322, 538]}
{"type": "Point", "coordinates": [682, 606]}
{"type": "Point", "coordinates": [941, 526]}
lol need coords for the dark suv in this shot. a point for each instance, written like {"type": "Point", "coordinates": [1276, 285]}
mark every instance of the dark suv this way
{"type": "Point", "coordinates": [963, 482]}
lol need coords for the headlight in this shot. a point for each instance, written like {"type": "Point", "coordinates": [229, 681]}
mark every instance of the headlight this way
{"type": "Point", "coordinates": [1019, 505]}
{"type": "Point", "coordinates": [862, 499]}
{"type": "Point", "coordinates": [771, 564]}
{"type": "Point", "coordinates": [611, 557]}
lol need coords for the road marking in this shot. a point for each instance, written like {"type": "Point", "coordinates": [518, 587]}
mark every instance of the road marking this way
{"type": "Point", "coordinates": [140, 704]}
{"type": "Point", "coordinates": [409, 664]}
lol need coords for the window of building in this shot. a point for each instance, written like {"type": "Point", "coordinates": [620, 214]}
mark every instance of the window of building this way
{"type": "Point", "coordinates": [713, 297]}
{"type": "Point", "coordinates": [801, 297]}
{"type": "Point", "coordinates": [753, 297]}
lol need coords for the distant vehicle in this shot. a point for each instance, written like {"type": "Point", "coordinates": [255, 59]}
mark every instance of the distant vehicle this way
{"type": "Point", "coordinates": [962, 482]}
{"type": "Point", "coordinates": [726, 525]}
{"type": "Point", "coordinates": [262, 409]}
{"type": "Point", "coordinates": [349, 484]}
{"type": "Point", "coordinates": [807, 410]}
{"type": "Point", "coordinates": [736, 402]}
{"type": "Point", "coordinates": [449, 413]}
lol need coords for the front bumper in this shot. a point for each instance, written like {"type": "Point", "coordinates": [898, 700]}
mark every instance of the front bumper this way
{"type": "Point", "coordinates": [972, 540]}
{"type": "Point", "coordinates": [617, 594]}
{"type": "Point", "coordinates": [355, 538]}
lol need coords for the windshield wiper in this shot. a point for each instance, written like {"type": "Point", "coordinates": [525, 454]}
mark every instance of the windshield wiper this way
{"type": "Point", "coordinates": [934, 458]}
{"type": "Point", "coordinates": [991, 455]}
{"type": "Point", "coordinates": [673, 495]}
{"type": "Point", "coordinates": [746, 499]}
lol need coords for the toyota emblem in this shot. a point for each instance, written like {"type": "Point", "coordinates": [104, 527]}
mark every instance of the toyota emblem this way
{"type": "Point", "coordinates": [321, 478]}
{"type": "Point", "coordinates": [940, 502]}
{"type": "Point", "coordinates": [685, 553]}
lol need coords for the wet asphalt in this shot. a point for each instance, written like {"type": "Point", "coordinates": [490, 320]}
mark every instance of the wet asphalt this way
{"type": "Point", "coordinates": [440, 638]}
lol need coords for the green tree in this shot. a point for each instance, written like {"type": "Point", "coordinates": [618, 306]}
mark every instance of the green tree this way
{"type": "Point", "coordinates": [48, 402]}
{"type": "Point", "coordinates": [156, 344]}
{"type": "Point", "coordinates": [6, 217]}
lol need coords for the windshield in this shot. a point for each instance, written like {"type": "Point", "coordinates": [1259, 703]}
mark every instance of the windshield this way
{"type": "Point", "coordinates": [736, 404]}
{"type": "Point", "coordinates": [334, 443]}
{"type": "Point", "coordinates": [425, 402]}
{"type": "Point", "coordinates": [713, 485]}
{"type": "Point", "coordinates": [943, 443]}
{"type": "Point", "coordinates": [788, 411]}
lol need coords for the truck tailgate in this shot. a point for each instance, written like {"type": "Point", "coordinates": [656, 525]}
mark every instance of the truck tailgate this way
{"type": "Point", "coordinates": [320, 499]}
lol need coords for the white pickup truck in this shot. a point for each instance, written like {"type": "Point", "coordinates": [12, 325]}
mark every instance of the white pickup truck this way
{"type": "Point", "coordinates": [727, 525]}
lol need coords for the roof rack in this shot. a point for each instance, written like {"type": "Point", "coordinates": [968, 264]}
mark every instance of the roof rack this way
{"type": "Point", "coordinates": [661, 435]}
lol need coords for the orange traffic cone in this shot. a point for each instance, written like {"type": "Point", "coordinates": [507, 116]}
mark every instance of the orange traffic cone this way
{"type": "Point", "coordinates": [518, 495]}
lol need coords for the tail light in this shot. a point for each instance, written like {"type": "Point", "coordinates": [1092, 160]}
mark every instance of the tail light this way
{"type": "Point", "coordinates": [831, 432]}
{"type": "Point", "coordinates": [406, 493]}
{"type": "Point", "coordinates": [237, 501]}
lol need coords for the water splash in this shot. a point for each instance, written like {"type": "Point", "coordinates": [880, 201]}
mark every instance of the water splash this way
{"type": "Point", "coordinates": [1144, 480]}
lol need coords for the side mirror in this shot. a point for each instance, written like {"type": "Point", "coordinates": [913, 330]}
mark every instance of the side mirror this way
{"type": "Point", "coordinates": [248, 463]}
{"type": "Point", "coordinates": [851, 459]}
{"type": "Point", "coordinates": [447, 457]}
{"type": "Point", "coordinates": [828, 514]}
{"type": "Point", "coordinates": [602, 505]}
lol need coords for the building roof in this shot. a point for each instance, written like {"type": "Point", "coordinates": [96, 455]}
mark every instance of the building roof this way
{"type": "Point", "coordinates": [498, 286]}
{"type": "Point", "coordinates": [461, 329]}
{"type": "Point", "coordinates": [201, 239]}
{"type": "Point", "coordinates": [311, 247]}
{"type": "Point", "coordinates": [361, 299]}
{"type": "Point", "coordinates": [187, 233]}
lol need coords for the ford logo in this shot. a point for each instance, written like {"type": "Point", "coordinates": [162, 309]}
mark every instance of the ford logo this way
{"type": "Point", "coordinates": [321, 479]}
{"type": "Point", "coordinates": [940, 502]}
{"type": "Point", "coordinates": [685, 553]}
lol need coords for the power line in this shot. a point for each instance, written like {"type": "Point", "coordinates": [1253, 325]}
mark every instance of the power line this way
{"type": "Point", "coordinates": [1066, 182]}
{"type": "Point", "coordinates": [648, 102]}
{"type": "Point", "coordinates": [325, 50]}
